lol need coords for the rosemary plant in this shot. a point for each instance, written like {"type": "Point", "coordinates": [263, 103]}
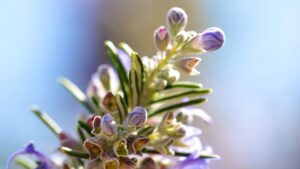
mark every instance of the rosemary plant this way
{"type": "Point", "coordinates": [140, 110]}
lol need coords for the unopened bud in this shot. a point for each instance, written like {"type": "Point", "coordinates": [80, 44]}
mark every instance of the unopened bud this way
{"type": "Point", "coordinates": [181, 37]}
{"type": "Point", "coordinates": [160, 84]}
{"type": "Point", "coordinates": [170, 75]}
{"type": "Point", "coordinates": [109, 102]}
{"type": "Point", "coordinates": [108, 125]}
{"type": "Point", "coordinates": [105, 74]}
{"type": "Point", "coordinates": [96, 125]}
{"type": "Point", "coordinates": [137, 117]}
{"type": "Point", "coordinates": [188, 65]}
{"type": "Point", "coordinates": [209, 40]}
{"type": "Point", "coordinates": [176, 20]}
{"type": "Point", "coordinates": [161, 38]}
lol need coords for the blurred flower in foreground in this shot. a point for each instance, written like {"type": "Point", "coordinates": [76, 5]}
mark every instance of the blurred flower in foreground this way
{"type": "Point", "coordinates": [140, 110]}
{"type": "Point", "coordinates": [42, 162]}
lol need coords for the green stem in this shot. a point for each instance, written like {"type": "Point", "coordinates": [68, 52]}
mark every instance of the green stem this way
{"type": "Point", "coordinates": [162, 63]}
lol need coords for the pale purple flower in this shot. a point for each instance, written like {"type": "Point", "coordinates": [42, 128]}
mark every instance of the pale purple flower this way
{"type": "Point", "coordinates": [209, 40]}
{"type": "Point", "coordinates": [108, 125]}
{"type": "Point", "coordinates": [137, 117]}
{"type": "Point", "coordinates": [42, 161]}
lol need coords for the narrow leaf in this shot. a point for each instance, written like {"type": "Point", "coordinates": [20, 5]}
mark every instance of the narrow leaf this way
{"type": "Point", "coordinates": [145, 131]}
{"type": "Point", "coordinates": [138, 66]}
{"type": "Point", "coordinates": [184, 84]}
{"type": "Point", "coordinates": [134, 87]}
{"type": "Point", "coordinates": [85, 127]}
{"type": "Point", "coordinates": [122, 106]}
{"type": "Point", "coordinates": [77, 93]}
{"type": "Point", "coordinates": [47, 120]}
{"type": "Point", "coordinates": [74, 153]}
{"type": "Point", "coordinates": [176, 106]}
{"type": "Point", "coordinates": [189, 93]}
{"type": "Point", "coordinates": [80, 133]}
{"type": "Point", "coordinates": [121, 71]}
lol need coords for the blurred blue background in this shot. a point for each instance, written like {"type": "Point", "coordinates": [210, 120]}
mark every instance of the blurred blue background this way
{"type": "Point", "coordinates": [255, 76]}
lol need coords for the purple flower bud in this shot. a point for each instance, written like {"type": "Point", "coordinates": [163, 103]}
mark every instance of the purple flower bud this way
{"type": "Point", "coordinates": [176, 20]}
{"type": "Point", "coordinates": [161, 38]}
{"type": "Point", "coordinates": [209, 40]}
{"type": "Point", "coordinates": [108, 125]}
{"type": "Point", "coordinates": [137, 117]}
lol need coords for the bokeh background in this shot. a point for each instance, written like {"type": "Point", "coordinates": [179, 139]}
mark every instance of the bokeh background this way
{"type": "Point", "coordinates": [255, 77]}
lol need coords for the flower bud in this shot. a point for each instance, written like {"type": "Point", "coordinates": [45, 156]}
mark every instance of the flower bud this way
{"type": "Point", "coordinates": [108, 125]}
{"type": "Point", "coordinates": [209, 40]}
{"type": "Point", "coordinates": [170, 75]}
{"type": "Point", "coordinates": [181, 37]}
{"type": "Point", "coordinates": [161, 38]}
{"type": "Point", "coordinates": [109, 102]}
{"type": "Point", "coordinates": [188, 65]}
{"type": "Point", "coordinates": [160, 84]}
{"type": "Point", "coordinates": [137, 117]}
{"type": "Point", "coordinates": [96, 125]}
{"type": "Point", "coordinates": [105, 74]}
{"type": "Point", "coordinates": [176, 20]}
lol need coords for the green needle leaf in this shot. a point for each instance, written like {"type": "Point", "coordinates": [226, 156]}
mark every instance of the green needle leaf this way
{"type": "Point", "coordinates": [176, 106]}
{"type": "Point", "coordinates": [134, 87]}
{"type": "Point", "coordinates": [189, 93]}
{"type": "Point", "coordinates": [85, 127]}
{"type": "Point", "coordinates": [76, 92]}
{"type": "Point", "coordinates": [184, 84]}
{"type": "Point", "coordinates": [122, 106]}
{"type": "Point", "coordinates": [74, 153]}
{"type": "Point", "coordinates": [112, 52]}
{"type": "Point", "coordinates": [47, 120]}
{"type": "Point", "coordinates": [80, 133]}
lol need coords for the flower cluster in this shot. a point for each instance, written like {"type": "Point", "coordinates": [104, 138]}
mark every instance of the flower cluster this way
{"type": "Point", "coordinates": [140, 109]}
